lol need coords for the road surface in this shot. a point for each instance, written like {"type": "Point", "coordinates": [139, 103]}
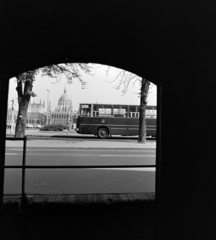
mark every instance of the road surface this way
{"type": "Point", "coordinates": [81, 181]}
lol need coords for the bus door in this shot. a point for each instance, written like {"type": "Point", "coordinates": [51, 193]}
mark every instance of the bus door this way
{"type": "Point", "coordinates": [119, 121]}
{"type": "Point", "coordinates": [133, 120]}
{"type": "Point", "coordinates": [118, 126]}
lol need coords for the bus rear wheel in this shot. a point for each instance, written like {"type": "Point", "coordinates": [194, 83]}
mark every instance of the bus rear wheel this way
{"type": "Point", "coordinates": [103, 132]}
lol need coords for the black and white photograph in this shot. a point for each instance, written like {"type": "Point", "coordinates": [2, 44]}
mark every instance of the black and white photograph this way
{"type": "Point", "coordinates": [107, 120]}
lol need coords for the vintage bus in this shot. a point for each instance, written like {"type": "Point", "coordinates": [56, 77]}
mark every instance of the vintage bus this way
{"type": "Point", "coordinates": [105, 120]}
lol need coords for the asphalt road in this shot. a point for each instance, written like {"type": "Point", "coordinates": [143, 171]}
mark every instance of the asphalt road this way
{"type": "Point", "coordinates": [81, 181]}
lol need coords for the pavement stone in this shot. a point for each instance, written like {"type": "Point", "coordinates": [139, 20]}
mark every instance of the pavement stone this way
{"type": "Point", "coordinates": [78, 199]}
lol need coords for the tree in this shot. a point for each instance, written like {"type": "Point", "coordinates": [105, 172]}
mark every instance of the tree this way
{"type": "Point", "coordinates": [124, 80]}
{"type": "Point", "coordinates": [145, 84]}
{"type": "Point", "coordinates": [25, 85]}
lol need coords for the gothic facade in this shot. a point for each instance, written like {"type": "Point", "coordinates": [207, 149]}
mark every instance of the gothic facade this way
{"type": "Point", "coordinates": [36, 113]}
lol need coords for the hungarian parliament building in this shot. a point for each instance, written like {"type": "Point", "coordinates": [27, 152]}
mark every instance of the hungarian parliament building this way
{"type": "Point", "coordinates": [40, 114]}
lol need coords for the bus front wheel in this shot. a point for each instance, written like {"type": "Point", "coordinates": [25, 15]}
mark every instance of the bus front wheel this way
{"type": "Point", "coordinates": [103, 132]}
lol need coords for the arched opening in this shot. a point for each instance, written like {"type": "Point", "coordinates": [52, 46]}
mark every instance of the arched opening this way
{"type": "Point", "coordinates": [123, 184]}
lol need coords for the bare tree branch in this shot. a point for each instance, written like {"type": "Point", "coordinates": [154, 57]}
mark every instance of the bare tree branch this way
{"type": "Point", "coordinates": [25, 84]}
{"type": "Point", "coordinates": [124, 79]}
{"type": "Point", "coordinates": [69, 70]}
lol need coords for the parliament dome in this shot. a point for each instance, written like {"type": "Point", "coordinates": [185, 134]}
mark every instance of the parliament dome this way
{"type": "Point", "coordinates": [64, 99]}
{"type": "Point", "coordinates": [64, 103]}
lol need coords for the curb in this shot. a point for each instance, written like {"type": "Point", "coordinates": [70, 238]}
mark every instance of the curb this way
{"type": "Point", "coordinates": [85, 148]}
{"type": "Point", "coordinates": [72, 135]}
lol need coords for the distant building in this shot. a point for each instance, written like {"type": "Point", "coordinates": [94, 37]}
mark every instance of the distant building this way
{"type": "Point", "coordinates": [36, 113]}
{"type": "Point", "coordinates": [11, 113]}
{"type": "Point", "coordinates": [36, 107]}
{"type": "Point", "coordinates": [11, 116]}
{"type": "Point", "coordinates": [63, 113]}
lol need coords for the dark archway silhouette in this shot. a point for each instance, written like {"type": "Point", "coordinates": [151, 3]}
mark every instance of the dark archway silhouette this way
{"type": "Point", "coordinates": [173, 45]}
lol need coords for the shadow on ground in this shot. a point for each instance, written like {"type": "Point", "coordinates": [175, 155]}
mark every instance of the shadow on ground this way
{"type": "Point", "coordinates": [93, 221]}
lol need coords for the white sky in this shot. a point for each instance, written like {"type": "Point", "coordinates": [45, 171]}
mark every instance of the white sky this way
{"type": "Point", "coordinates": [98, 90]}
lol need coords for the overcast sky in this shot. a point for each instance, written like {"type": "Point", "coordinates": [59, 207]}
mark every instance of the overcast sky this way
{"type": "Point", "coordinates": [99, 89]}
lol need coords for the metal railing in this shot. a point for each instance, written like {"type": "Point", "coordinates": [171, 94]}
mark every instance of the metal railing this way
{"type": "Point", "coordinates": [24, 167]}
{"type": "Point", "coordinates": [23, 195]}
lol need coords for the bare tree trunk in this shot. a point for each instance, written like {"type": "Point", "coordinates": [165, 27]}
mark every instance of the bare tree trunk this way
{"type": "Point", "coordinates": [142, 121]}
{"type": "Point", "coordinates": [23, 101]}
{"type": "Point", "coordinates": [21, 120]}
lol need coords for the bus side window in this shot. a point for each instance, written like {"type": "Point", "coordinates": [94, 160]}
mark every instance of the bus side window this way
{"type": "Point", "coordinates": [95, 113]}
{"type": "Point", "coordinates": [132, 114]}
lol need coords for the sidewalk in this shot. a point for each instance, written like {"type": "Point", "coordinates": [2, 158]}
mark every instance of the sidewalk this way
{"type": "Point", "coordinates": [37, 139]}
